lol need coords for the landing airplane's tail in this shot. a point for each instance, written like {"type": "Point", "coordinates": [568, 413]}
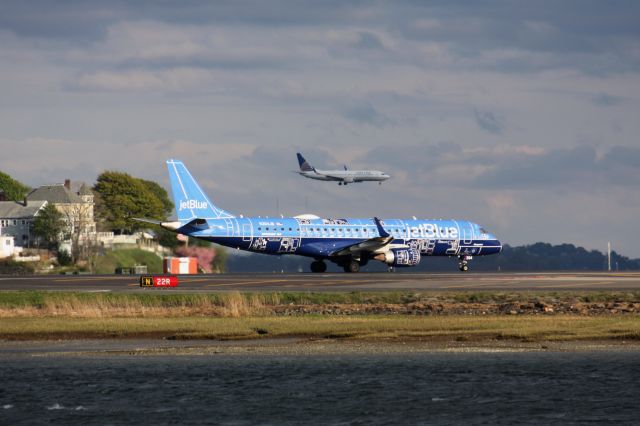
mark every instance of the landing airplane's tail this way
{"type": "Point", "coordinates": [190, 201]}
{"type": "Point", "coordinates": [304, 165]}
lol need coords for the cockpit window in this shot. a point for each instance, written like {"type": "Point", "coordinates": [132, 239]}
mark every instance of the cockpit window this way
{"type": "Point", "coordinates": [484, 231]}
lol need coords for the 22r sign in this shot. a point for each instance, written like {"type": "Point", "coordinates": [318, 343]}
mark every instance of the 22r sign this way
{"type": "Point", "coordinates": [159, 281]}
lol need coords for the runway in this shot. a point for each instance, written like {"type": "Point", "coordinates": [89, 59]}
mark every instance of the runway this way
{"type": "Point", "coordinates": [567, 281]}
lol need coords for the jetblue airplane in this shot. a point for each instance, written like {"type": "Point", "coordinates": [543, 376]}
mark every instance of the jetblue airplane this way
{"type": "Point", "coordinates": [349, 243]}
{"type": "Point", "coordinates": [343, 177]}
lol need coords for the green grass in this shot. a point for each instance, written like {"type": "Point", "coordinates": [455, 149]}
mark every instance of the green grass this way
{"type": "Point", "coordinates": [108, 263]}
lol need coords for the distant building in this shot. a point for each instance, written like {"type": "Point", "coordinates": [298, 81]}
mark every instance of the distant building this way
{"type": "Point", "coordinates": [76, 206]}
{"type": "Point", "coordinates": [7, 249]}
{"type": "Point", "coordinates": [16, 220]}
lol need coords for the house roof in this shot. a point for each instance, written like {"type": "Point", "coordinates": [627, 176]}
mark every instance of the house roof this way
{"type": "Point", "coordinates": [14, 210]}
{"type": "Point", "coordinates": [57, 194]}
{"type": "Point", "coordinates": [84, 190]}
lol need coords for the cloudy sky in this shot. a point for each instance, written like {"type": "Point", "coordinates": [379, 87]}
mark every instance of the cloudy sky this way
{"type": "Point", "coordinates": [522, 116]}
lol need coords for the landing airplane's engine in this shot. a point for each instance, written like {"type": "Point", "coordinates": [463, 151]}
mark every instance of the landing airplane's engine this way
{"type": "Point", "coordinates": [400, 257]}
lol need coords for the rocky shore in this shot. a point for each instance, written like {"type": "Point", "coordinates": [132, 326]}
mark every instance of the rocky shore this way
{"type": "Point", "coordinates": [465, 308]}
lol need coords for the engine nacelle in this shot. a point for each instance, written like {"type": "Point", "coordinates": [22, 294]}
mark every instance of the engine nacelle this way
{"type": "Point", "coordinates": [400, 257]}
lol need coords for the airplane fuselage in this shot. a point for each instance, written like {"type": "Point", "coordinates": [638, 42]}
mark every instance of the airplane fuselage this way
{"type": "Point", "coordinates": [347, 176]}
{"type": "Point", "coordinates": [319, 238]}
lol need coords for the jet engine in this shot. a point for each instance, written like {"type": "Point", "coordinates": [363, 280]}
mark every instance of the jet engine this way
{"type": "Point", "coordinates": [400, 257]}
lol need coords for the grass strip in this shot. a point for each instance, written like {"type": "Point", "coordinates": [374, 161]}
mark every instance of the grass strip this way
{"type": "Point", "coordinates": [530, 328]}
{"type": "Point", "coordinates": [44, 300]}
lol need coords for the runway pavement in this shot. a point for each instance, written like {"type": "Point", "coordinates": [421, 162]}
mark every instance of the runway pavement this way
{"type": "Point", "coordinates": [574, 281]}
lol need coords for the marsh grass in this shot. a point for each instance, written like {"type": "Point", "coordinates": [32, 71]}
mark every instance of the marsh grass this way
{"type": "Point", "coordinates": [235, 304]}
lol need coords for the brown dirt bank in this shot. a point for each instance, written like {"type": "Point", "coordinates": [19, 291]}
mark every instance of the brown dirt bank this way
{"type": "Point", "coordinates": [421, 308]}
{"type": "Point", "coordinates": [465, 308]}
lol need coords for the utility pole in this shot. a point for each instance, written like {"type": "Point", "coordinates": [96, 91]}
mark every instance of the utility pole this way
{"type": "Point", "coordinates": [609, 256]}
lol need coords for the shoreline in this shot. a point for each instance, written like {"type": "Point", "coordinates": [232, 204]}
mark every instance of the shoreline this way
{"type": "Point", "coordinates": [294, 347]}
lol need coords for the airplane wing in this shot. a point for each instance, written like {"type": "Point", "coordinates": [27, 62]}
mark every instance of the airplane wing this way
{"type": "Point", "coordinates": [348, 179]}
{"type": "Point", "coordinates": [370, 245]}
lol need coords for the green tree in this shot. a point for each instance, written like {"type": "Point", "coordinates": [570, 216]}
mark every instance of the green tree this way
{"type": "Point", "coordinates": [48, 226]}
{"type": "Point", "coordinates": [166, 238]}
{"type": "Point", "coordinates": [13, 190]}
{"type": "Point", "coordinates": [122, 198]}
{"type": "Point", "coordinates": [161, 194]}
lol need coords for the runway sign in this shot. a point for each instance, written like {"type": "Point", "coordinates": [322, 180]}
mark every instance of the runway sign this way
{"type": "Point", "coordinates": [158, 281]}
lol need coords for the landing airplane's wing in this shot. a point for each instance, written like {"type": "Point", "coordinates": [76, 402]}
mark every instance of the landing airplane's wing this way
{"type": "Point", "coordinates": [370, 245]}
{"type": "Point", "coordinates": [344, 178]}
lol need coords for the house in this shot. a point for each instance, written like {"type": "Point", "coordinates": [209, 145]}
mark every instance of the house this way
{"type": "Point", "coordinates": [16, 220]}
{"type": "Point", "coordinates": [76, 206]}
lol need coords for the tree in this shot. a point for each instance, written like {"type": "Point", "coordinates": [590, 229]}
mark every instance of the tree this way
{"type": "Point", "coordinates": [13, 190]}
{"type": "Point", "coordinates": [161, 194]}
{"type": "Point", "coordinates": [78, 217]}
{"type": "Point", "coordinates": [122, 198]}
{"type": "Point", "coordinates": [48, 226]}
{"type": "Point", "coordinates": [166, 238]}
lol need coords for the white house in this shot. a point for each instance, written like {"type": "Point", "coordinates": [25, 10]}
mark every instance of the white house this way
{"type": "Point", "coordinates": [16, 220]}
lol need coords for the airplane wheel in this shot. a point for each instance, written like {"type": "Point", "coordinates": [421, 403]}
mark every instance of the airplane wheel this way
{"type": "Point", "coordinates": [318, 266]}
{"type": "Point", "coordinates": [352, 266]}
{"type": "Point", "coordinates": [464, 267]}
{"type": "Point", "coordinates": [339, 183]}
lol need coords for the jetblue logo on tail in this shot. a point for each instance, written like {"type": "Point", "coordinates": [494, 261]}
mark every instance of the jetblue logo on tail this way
{"type": "Point", "coordinates": [193, 205]}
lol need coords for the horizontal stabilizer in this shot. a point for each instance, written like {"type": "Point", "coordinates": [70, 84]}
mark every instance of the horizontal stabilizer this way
{"type": "Point", "coordinates": [167, 225]}
{"type": "Point", "coordinates": [195, 223]}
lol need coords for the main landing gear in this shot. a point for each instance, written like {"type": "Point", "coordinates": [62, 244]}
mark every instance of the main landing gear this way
{"type": "Point", "coordinates": [352, 266]}
{"type": "Point", "coordinates": [463, 265]}
{"type": "Point", "coordinates": [318, 266]}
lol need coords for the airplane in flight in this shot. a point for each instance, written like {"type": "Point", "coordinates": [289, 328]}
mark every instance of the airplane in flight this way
{"type": "Point", "coordinates": [343, 177]}
{"type": "Point", "coordinates": [349, 243]}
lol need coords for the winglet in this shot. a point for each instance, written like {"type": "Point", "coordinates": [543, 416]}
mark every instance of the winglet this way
{"type": "Point", "coordinates": [304, 164]}
{"type": "Point", "coordinates": [381, 230]}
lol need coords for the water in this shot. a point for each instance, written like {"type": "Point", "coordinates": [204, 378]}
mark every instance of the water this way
{"type": "Point", "coordinates": [432, 388]}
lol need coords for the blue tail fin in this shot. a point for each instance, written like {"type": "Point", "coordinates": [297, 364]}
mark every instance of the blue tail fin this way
{"type": "Point", "coordinates": [190, 201]}
{"type": "Point", "coordinates": [304, 165]}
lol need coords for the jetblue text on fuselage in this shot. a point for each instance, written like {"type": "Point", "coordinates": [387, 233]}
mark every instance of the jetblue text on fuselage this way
{"type": "Point", "coordinates": [193, 204]}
